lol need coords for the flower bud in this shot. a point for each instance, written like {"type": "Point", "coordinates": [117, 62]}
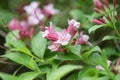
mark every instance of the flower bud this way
{"type": "Point", "coordinates": [106, 4]}
{"type": "Point", "coordinates": [98, 22]}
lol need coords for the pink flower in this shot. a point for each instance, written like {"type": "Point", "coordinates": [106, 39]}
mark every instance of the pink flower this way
{"type": "Point", "coordinates": [83, 39]}
{"type": "Point", "coordinates": [13, 24]}
{"type": "Point", "coordinates": [98, 22]}
{"type": "Point", "coordinates": [49, 10]}
{"type": "Point", "coordinates": [35, 18]}
{"type": "Point", "coordinates": [63, 37]}
{"type": "Point", "coordinates": [50, 34]}
{"type": "Point", "coordinates": [54, 47]}
{"type": "Point", "coordinates": [30, 9]}
{"type": "Point", "coordinates": [34, 13]}
{"type": "Point", "coordinates": [99, 67]}
{"type": "Point", "coordinates": [32, 20]}
{"type": "Point", "coordinates": [39, 14]}
{"type": "Point", "coordinates": [114, 3]}
{"type": "Point", "coordinates": [98, 5]}
{"type": "Point", "coordinates": [73, 24]}
{"type": "Point", "coordinates": [118, 62]}
{"type": "Point", "coordinates": [25, 33]}
{"type": "Point", "coordinates": [24, 24]}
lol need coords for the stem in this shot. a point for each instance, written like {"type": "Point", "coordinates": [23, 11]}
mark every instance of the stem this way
{"type": "Point", "coordinates": [17, 70]}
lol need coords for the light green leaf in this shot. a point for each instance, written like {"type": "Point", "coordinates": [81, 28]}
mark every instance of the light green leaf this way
{"type": "Point", "coordinates": [117, 77]}
{"type": "Point", "coordinates": [75, 49]}
{"type": "Point", "coordinates": [5, 76]}
{"type": "Point", "coordinates": [88, 53]}
{"type": "Point", "coordinates": [12, 41]}
{"type": "Point", "coordinates": [28, 75]}
{"type": "Point", "coordinates": [21, 59]}
{"type": "Point", "coordinates": [109, 38]}
{"type": "Point", "coordinates": [38, 45]}
{"type": "Point", "coordinates": [62, 71]}
{"type": "Point", "coordinates": [23, 49]}
{"type": "Point", "coordinates": [95, 28]}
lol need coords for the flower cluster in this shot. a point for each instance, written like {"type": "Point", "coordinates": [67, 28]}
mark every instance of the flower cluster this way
{"type": "Point", "coordinates": [108, 14]}
{"type": "Point", "coordinates": [64, 37]}
{"type": "Point", "coordinates": [35, 16]}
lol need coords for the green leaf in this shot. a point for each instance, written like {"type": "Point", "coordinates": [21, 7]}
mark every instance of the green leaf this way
{"type": "Point", "coordinates": [87, 74]}
{"type": "Point", "coordinates": [73, 76]}
{"type": "Point", "coordinates": [12, 41]}
{"type": "Point", "coordinates": [28, 75]}
{"type": "Point", "coordinates": [75, 49]}
{"type": "Point", "coordinates": [66, 57]}
{"type": "Point", "coordinates": [88, 53]}
{"type": "Point", "coordinates": [62, 71]}
{"type": "Point", "coordinates": [109, 38]}
{"type": "Point", "coordinates": [5, 76]}
{"type": "Point", "coordinates": [117, 77]}
{"type": "Point", "coordinates": [21, 59]}
{"type": "Point", "coordinates": [95, 28]}
{"type": "Point", "coordinates": [38, 45]}
{"type": "Point", "coordinates": [23, 50]}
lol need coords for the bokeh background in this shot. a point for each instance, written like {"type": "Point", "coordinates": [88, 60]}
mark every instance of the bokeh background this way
{"type": "Point", "coordinates": [82, 10]}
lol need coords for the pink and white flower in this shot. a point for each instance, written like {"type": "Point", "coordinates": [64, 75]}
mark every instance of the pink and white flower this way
{"type": "Point", "coordinates": [50, 34]}
{"type": "Point", "coordinates": [50, 10]}
{"type": "Point", "coordinates": [13, 24]}
{"type": "Point", "coordinates": [30, 9]}
{"type": "Point", "coordinates": [83, 39]}
{"type": "Point", "coordinates": [54, 46]}
{"type": "Point", "coordinates": [72, 25]}
{"type": "Point", "coordinates": [63, 37]}
{"type": "Point", "coordinates": [34, 13]}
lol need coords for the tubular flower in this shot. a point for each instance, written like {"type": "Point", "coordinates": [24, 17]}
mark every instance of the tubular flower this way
{"type": "Point", "coordinates": [63, 37]}
{"type": "Point", "coordinates": [72, 24]}
{"type": "Point", "coordinates": [13, 24]}
{"type": "Point", "coordinates": [30, 9]}
{"type": "Point", "coordinates": [54, 46]}
{"type": "Point", "coordinates": [24, 32]}
{"type": "Point", "coordinates": [49, 10]}
{"type": "Point", "coordinates": [83, 39]}
{"type": "Point", "coordinates": [50, 34]}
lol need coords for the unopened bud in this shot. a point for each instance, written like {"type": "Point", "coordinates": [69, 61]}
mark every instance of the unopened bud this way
{"type": "Point", "coordinates": [96, 10]}
{"type": "Point", "coordinates": [116, 17]}
{"type": "Point", "coordinates": [99, 5]}
{"type": "Point", "coordinates": [106, 4]}
{"type": "Point", "coordinates": [102, 20]}
{"type": "Point", "coordinates": [98, 22]}
{"type": "Point", "coordinates": [114, 3]}
{"type": "Point", "coordinates": [108, 17]}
